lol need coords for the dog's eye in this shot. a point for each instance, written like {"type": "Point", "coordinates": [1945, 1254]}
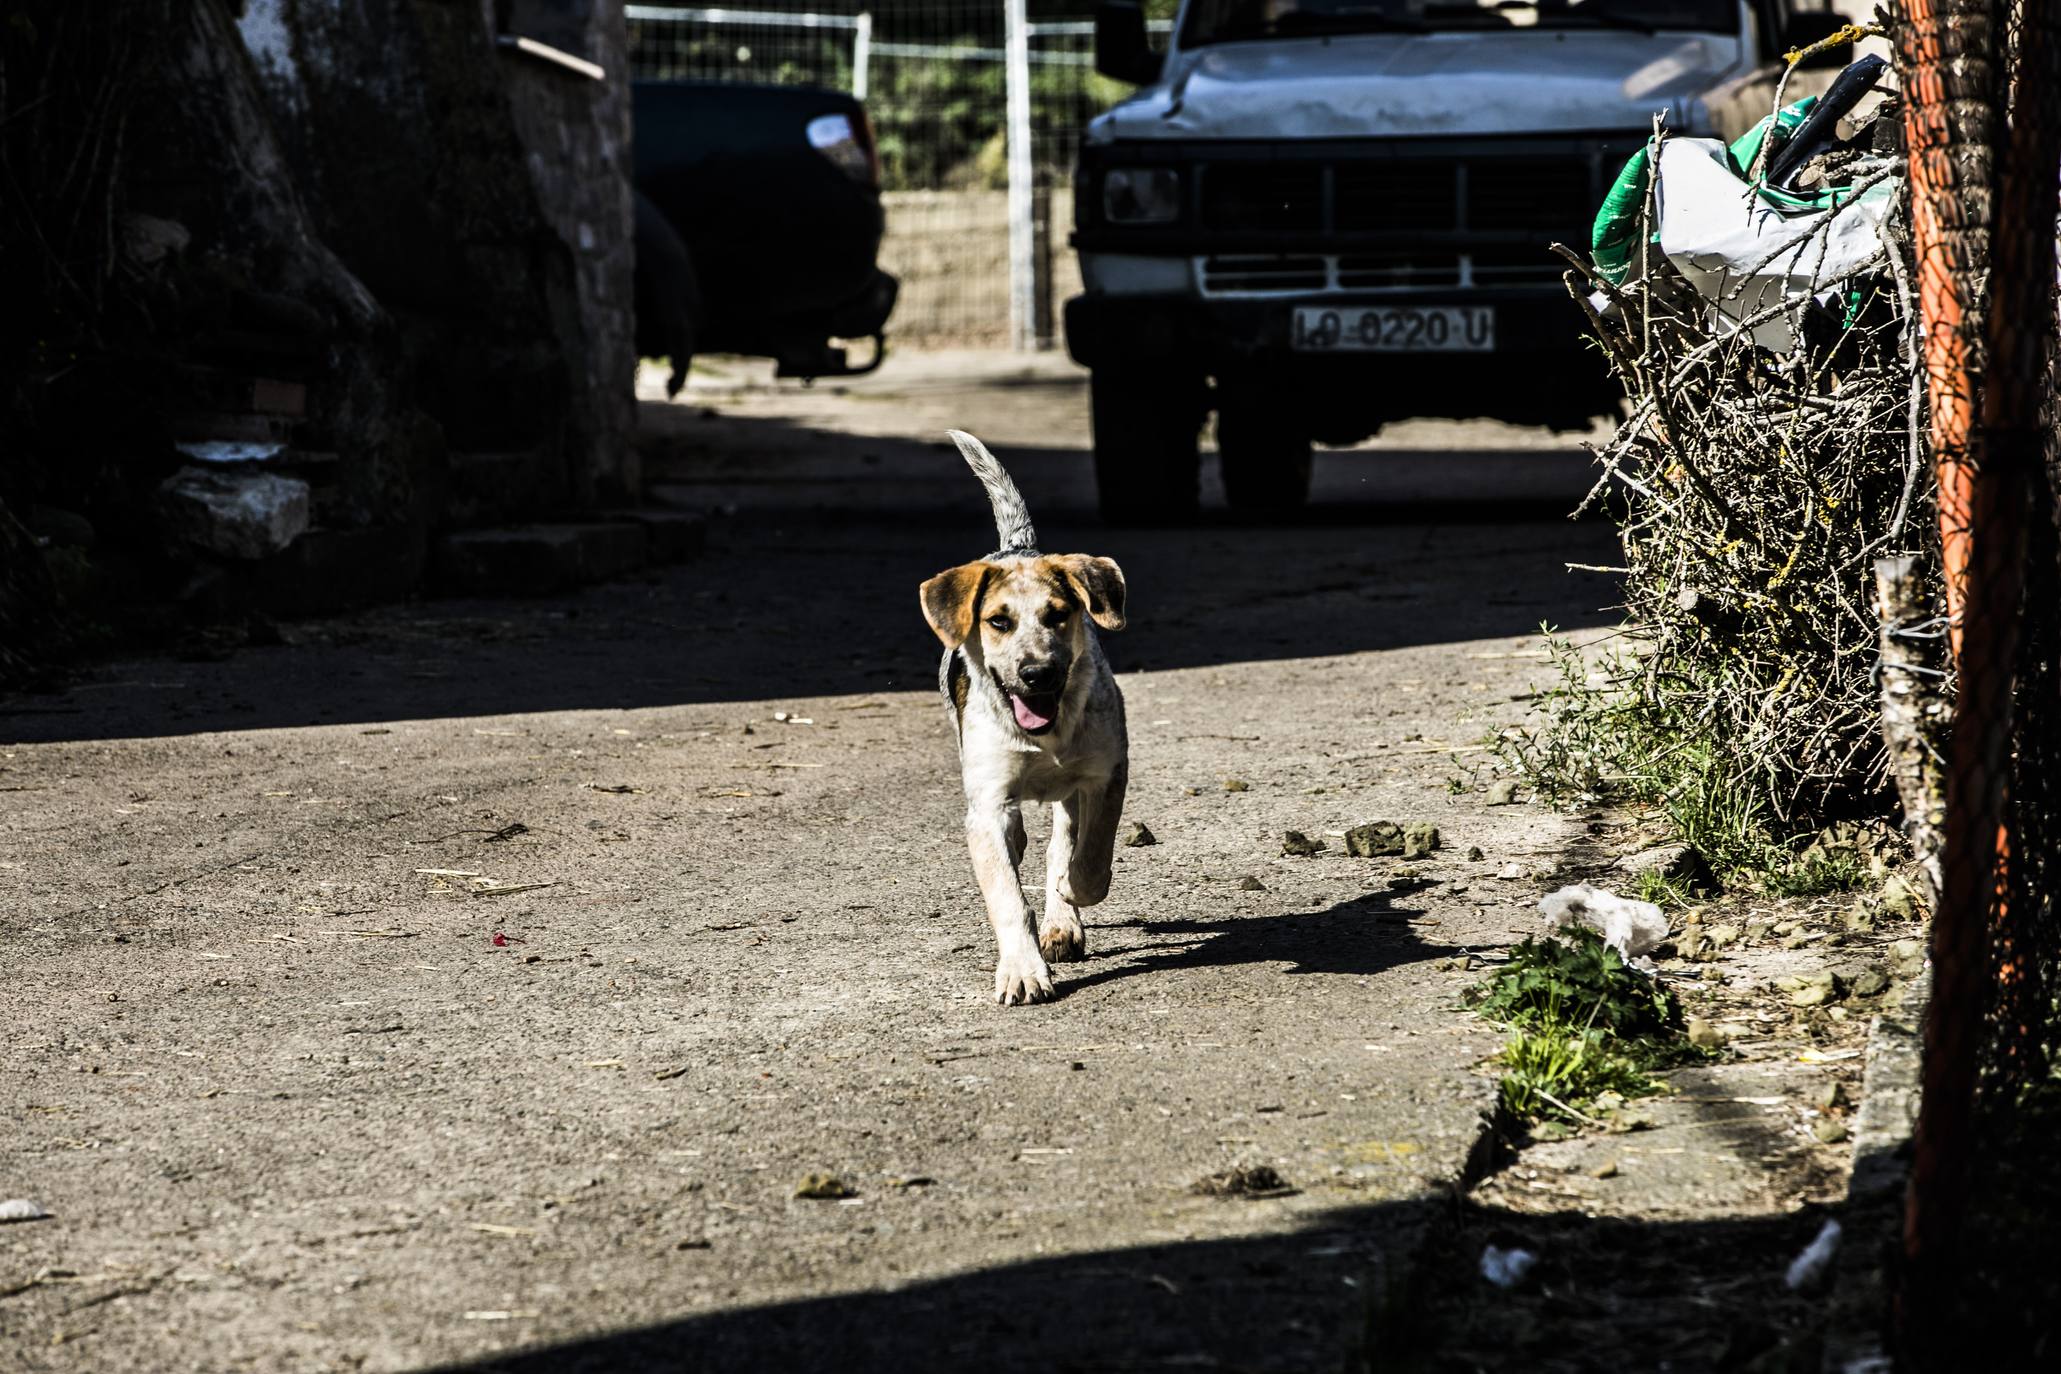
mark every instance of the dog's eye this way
{"type": "Point", "coordinates": [1056, 617]}
{"type": "Point", "coordinates": [1002, 623]}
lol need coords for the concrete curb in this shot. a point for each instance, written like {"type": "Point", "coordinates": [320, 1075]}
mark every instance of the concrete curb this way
{"type": "Point", "coordinates": [1391, 1330]}
{"type": "Point", "coordinates": [1856, 1338]}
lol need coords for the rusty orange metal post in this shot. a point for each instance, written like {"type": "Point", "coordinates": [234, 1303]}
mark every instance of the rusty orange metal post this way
{"type": "Point", "coordinates": [1949, 100]}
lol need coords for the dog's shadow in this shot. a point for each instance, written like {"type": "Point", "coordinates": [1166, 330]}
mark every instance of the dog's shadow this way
{"type": "Point", "coordinates": [1365, 935]}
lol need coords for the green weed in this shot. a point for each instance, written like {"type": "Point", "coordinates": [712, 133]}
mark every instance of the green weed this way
{"type": "Point", "coordinates": [1817, 873]}
{"type": "Point", "coordinates": [1582, 1024]}
{"type": "Point", "coordinates": [1607, 733]}
{"type": "Point", "coordinates": [1576, 981]}
{"type": "Point", "coordinates": [1669, 894]}
{"type": "Point", "coordinates": [1557, 1071]}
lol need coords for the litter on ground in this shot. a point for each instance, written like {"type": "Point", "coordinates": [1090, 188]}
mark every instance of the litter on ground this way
{"type": "Point", "coordinates": [1630, 927]}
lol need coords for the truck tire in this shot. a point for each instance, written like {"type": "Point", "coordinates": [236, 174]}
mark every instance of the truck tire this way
{"type": "Point", "coordinates": [1264, 456]}
{"type": "Point", "coordinates": [1146, 455]}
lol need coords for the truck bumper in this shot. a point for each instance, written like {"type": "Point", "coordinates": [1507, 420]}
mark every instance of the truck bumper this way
{"type": "Point", "coordinates": [1540, 372]}
{"type": "Point", "coordinates": [1104, 330]}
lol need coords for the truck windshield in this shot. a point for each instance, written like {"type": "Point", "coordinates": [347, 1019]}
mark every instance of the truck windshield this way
{"type": "Point", "coordinates": [1232, 21]}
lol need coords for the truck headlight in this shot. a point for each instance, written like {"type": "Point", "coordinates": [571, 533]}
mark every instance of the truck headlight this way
{"type": "Point", "coordinates": [1141, 195]}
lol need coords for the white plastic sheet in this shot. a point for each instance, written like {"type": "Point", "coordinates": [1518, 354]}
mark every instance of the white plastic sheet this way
{"type": "Point", "coordinates": [1743, 254]}
{"type": "Point", "coordinates": [1629, 926]}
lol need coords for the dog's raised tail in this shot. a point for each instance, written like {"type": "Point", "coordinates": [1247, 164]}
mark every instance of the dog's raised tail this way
{"type": "Point", "coordinates": [1012, 518]}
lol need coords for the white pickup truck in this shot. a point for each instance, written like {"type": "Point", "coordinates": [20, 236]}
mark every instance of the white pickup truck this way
{"type": "Point", "coordinates": [1317, 216]}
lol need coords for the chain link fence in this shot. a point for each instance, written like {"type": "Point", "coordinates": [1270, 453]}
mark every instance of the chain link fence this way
{"type": "Point", "coordinates": [936, 75]}
{"type": "Point", "coordinates": [1982, 91]}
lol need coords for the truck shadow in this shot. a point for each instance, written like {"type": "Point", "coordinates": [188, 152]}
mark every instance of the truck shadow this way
{"type": "Point", "coordinates": [793, 602]}
{"type": "Point", "coordinates": [770, 467]}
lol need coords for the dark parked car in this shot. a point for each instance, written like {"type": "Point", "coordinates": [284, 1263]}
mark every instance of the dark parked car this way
{"type": "Point", "coordinates": [758, 220]}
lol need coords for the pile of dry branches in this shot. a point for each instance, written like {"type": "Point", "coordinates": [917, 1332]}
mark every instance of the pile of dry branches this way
{"type": "Point", "coordinates": [1755, 491]}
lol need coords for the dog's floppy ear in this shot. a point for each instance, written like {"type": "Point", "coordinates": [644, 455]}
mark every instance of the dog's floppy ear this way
{"type": "Point", "coordinates": [1099, 583]}
{"type": "Point", "coordinates": [950, 599]}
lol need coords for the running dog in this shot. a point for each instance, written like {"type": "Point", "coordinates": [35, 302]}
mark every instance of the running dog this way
{"type": "Point", "coordinates": [1039, 718]}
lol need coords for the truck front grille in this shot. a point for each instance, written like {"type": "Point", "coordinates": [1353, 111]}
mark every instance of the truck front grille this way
{"type": "Point", "coordinates": [1552, 195]}
{"type": "Point", "coordinates": [1271, 196]}
{"type": "Point", "coordinates": [1316, 274]}
{"type": "Point", "coordinates": [1397, 271]}
{"type": "Point", "coordinates": [1388, 197]}
{"type": "Point", "coordinates": [1514, 267]}
{"type": "Point", "coordinates": [1260, 273]}
{"type": "Point", "coordinates": [1527, 193]}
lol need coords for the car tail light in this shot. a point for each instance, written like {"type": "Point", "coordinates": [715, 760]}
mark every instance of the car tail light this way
{"type": "Point", "coordinates": [848, 143]}
{"type": "Point", "coordinates": [866, 141]}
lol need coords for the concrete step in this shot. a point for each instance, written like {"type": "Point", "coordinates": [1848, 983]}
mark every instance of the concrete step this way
{"type": "Point", "coordinates": [670, 536]}
{"type": "Point", "coordinates": [330, 570]}
{"type": "Point", "coordinates": [535, 560]}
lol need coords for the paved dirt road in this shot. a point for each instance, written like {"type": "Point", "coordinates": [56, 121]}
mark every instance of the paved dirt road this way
{"type": "Point", "coordinates": [294, 1107]}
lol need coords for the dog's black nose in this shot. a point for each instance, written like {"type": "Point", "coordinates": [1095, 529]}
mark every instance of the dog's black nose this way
{"type": "Point", "coordinates": [1044, 678]}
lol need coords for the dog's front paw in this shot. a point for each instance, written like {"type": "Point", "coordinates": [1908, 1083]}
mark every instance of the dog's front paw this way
{"type": "Point", "coordinates": [1022, 977]}
{"type": "Point", "coordinates": [1063, 941]}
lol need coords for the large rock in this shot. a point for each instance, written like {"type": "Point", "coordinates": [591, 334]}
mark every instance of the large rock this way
{"type": "Point", "coordinates": [1374, 840]}
{"type": "Point", "coordinates": [237, 514]}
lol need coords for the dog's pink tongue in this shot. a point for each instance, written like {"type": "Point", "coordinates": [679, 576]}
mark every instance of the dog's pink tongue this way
{"type": "Point", "coordinates": [1027, 718]}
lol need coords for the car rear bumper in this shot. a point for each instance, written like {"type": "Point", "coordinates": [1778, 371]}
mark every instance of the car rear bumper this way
{"type": "Point", "coordinates": [865, 312]}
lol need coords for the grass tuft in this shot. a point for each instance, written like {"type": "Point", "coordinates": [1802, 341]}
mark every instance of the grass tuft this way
{"type": "Point", "coordinates": [1605, 734]}
{"type": "Point", "coordinates": [1559, 1072]}
{"type": "Point", "coordinates": [1582, 1024]}
{"type": "Point", "coordinates": [1669, 894]}
{"type": "Point", "coordinates": [1817, 873]}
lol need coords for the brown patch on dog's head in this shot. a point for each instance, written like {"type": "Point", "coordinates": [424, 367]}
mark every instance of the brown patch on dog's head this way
{"type": "Point", "coordinates": [1097, 583]}
{"type": "Point", "coordinates": [951, 599]}
{"type": "Point", "coordinates": [1025, 623]}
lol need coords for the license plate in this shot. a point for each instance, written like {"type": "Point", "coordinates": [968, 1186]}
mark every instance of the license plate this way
{"type": "Point", "coordinates": [1396, 329]}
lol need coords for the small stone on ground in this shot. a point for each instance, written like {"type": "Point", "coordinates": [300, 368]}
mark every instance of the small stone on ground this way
{"type": "Point", "coordinates": [1255, 1180]}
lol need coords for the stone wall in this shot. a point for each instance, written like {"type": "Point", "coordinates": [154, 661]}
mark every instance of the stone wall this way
{"type": "Point", "coordinates": [576, 130]}
{"type": "Point", "coordinates": [295, 288]}
{"type": "Point", "coordinates": [482, 196]}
